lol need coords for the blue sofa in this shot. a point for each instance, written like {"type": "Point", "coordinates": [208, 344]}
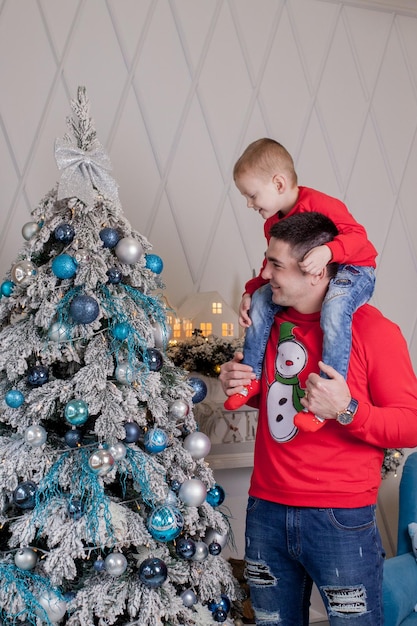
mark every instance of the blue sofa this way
{"type": "Point", "coordinates": [400, 572]}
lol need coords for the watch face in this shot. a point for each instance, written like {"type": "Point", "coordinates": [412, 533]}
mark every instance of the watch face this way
{"type": "Point", "coordinates": [345, 418]}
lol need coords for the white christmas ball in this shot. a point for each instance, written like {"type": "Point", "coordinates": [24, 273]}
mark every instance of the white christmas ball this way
{"type": "Point", "coordinates": [101, 462]}
{"type": "Point", "coordinates": [188, 597]}
{"type": "Point", "coordinates": [117, 450]}
{"type": "Point", "coordinates": [115, 564]}
{"type": "Point", "coordinates": [23, 272]}
{"type": "Point", "coordinates": [59, 332]}
{"type": "Point", "coordinates": [192, 492]}
{"type": "Point", "coordinates": [197, 444]}
{"type": "Point", "coordinates": [178, 409]}
{"type": "Point", "coordinates": [213, 536]}
{"type": "Point", "coordinates": [201, 551]}
{"type": "Point", "coordinates": [53, 606]}
{"type": "Point", "coordinates": [25, 559]}
{"type": "Point", "coordinates": [124, 373]}
{"type": "Point", "coordinates": [129, 250]}
{"type": "Point", "coordinates": [29, 229]}
{"type": "Point", "coordinates": [35, 435]}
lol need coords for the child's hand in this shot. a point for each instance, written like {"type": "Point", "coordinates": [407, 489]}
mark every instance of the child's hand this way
{"type": "Point", "coordinates": [244, 319]}
{"type": "Point", "coordinates": [316, 260]}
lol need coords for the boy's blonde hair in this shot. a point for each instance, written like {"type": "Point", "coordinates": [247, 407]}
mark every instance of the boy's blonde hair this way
{"type": "Point", "coordinates": [266, 156]}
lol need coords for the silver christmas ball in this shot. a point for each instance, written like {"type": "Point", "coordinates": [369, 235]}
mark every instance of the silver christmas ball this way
{"type": "Point", "coordinates": [178, 409]}
{"type": "Point", "coordinates": [25, 559]}
{"type": "Point", "coordinates": [115, 564]}
{"type": "Point", "coordinates": [117, 450]}
{"type": "Point", "coordinates": [128, 250]}
{"type": "Point", "coordinates": [213, 536]}
{"type": "Point", "coordinates": [82, 256]}
{"type": "Point", "coordinates": [197, 444]}
{"type": "Point", "coordinates": [192, 492]}
{"type": "Point", "coordinates": [23, 273]}
{"type": "Point", "coordinates": [161, 335]}
{"type": "Point", "coordinates": [101, 462]}
{"type": "Point", "coordinates": [53, 606]}
{"type": "Point", "coordinates": [35, 435]}
{"type": "Point", "coordinates": [59, 332]}
{"type": "Point", "coordinates": [201, 551]}
{"type": "Point", "coordinates": [171, 499]}
{"type": "Point", "coordinates": [29, 229]}
{"type": "Point", "coordinates": [188, 597]}
{"type": "Point", "coordinates": [124, 373]}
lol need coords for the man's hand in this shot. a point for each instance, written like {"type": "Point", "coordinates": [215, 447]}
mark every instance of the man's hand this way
{"type": "Point", "coordinates": [234, 375]}
{"type": "Point", "coordinates": [326, 397]}
{"type": "Point", "coordinates": [316, 260]}
{"type": "Point", "coordinates": [244, 306]}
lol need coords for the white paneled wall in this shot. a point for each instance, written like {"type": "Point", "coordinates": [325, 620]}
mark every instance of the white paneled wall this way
{"type": "Point", "coordinates": [178, 88]}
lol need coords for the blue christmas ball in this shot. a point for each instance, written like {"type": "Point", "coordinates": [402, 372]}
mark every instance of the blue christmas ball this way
{"type": "Point", "coordinates": [165, 523]}
{"type": "Point", "coordinates": [64, 233]}
{"type": "Point", "coordinates": [215, 495]}
{"type": "Point", "coordinates": [185, 547]}
{"type": "Point", "coordinates": [154, 263]}
{"type": "Point", "coordinates": [75, 509]}
{"type": "Point", "coordinates": [199, 387]}
{"type": "Point", "coordinates": [7, 288]}
{"type": "Point", "coordinates": [224, 603]}
{"type": "Point", "coordinates": [110, 237]}
{"type": "Point", "coordinates": [133, 432]}
{"type": "Point", "coordinates": [76, 412]}
{"type": "Point", "coordinates": [155, 360]}
{"type": "Point", "coordinates": [156, 440]}
{"type": "Point", "coordinates": [214, 548]}
{"type": "Point", "coordinates": [114, 275]}
{"type": "Point", "coordinates": [64, 266]}
{"type": "Point", "coordinates": [99, 565]}
{"type": "Point", "coordinates": [121, 331]}
{"type": "Point", "coordinates": [14, 398]}
{"type": "Point", "coordinates": [175, 485]}
{"type": "Point", "coordinates": [73, 437]}
{"type": "Point", "coordinates": [24, 496]}
{"type": "Point", "coordinates": [37, 375]}
{"type": "Point", "coordinates": [219, 615]}
{"type": "Point", "coordinates": [153, 572]}
{"type": "Point", "coordinates": [84, 309]}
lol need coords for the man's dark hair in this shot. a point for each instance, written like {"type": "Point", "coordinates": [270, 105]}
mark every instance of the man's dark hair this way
{"type": "Point", "coordinates": [305, 231]}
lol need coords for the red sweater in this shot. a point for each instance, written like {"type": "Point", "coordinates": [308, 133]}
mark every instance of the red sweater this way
{"type": "Point", "coordinates": [350, 246]}
{"type": "Point", "coordinates": [337, 466]}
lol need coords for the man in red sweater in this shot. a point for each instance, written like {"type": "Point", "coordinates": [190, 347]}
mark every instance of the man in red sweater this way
{"type": "Point", "coordinates": [312, 497]}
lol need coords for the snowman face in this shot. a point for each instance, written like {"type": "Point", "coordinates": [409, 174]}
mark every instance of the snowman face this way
{"type": "Point", "coordinates": [291, 359]}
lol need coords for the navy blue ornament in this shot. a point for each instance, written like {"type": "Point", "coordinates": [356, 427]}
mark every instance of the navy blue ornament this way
{"type": "Point", "coordinates": [14, 398]}
{"type": "Point", "coordinates": [24, 496]}
{"type": "Point", "coordinates": [153, 572]}
{"type": "Point", "coordinates": [99, 565]}
{"type": "Point", "coordinates": [64, 266]}
{"type": "Point", "coordinates": [133, 432]}
{"type": "Point", "coordinates": [215, 495]}
{"type": "Point", "coordinates": [199, 387]}
{"type": "Point", "coordinates": [156, 440]}
{"type": "Point", "coordinates": [64, 233]}
{"type": "Point", "coordinates": [155, 360]}
{"type": "Point", "coordinates": [110, 237]}
{"type": "Point", "coordinates": [75, 509]}
{"type": "Point", "coordinates": [7, 288]}
{"type": "Point", "coordinates": [114, 275]}
{"type": "Point", "coordinates": [219, 615]}
{"type": "Point", "coordinates": [154, 263]}
{"type": "Point", "coordinates": [185, 548]}
{"type": "Point", "coordinates": [37, 375]}
{"type": "Point", "coordinates": [214, 548]}
{"type": "Point", "coordinates": [224, 603]}
{"type": "Point", "coordinates": [165, 523]}
{"type": "Point", "coordinates": [84, 309]}
{"type": "Point", "coordinates": [73, 437]}
{"type": "Point", "coordinates": [175, 485]}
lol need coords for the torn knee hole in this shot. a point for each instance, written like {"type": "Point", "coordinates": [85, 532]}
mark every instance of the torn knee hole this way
{"type": "Point", "coordinates": [346, 600]}
{"type": "Point", "coordinates": [258, 573]}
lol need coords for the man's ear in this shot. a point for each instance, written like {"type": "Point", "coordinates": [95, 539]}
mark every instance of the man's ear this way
{"type": "Point", "coordinates": [280, 182]}
{"type": "Point", "coordinates": [317, 278]}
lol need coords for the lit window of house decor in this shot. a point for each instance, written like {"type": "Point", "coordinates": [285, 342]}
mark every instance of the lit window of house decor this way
{"type": "Point", "coordinates": [227, 330]}
{"type": "Point", "coordinates": [216, 308]}
{"type": "Point", "coordinates": [206, 328]}
{"type": "Point", "coordinates": [210, 313]}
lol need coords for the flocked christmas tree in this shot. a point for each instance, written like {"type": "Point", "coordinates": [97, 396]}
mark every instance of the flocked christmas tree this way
{"type": "Point", "coordinates": [109, 512]}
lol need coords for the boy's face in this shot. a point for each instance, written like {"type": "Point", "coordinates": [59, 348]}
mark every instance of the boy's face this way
{"type": "Point", "coordinates": [262, 192]}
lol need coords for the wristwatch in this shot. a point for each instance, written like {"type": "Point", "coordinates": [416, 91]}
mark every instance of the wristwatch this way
{"type": "Point", "coordinates": [346, 417]}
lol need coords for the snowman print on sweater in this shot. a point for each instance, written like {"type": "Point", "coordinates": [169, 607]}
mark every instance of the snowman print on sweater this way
{"type": "Point", "coordinates": [284, 393]}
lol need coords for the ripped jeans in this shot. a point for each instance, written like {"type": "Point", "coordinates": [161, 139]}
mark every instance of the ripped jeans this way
{"type": "Point", "coordinates": [289, 548]}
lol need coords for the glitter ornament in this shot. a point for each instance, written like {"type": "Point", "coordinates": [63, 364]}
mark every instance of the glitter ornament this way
{"type": "Point", "coordinates": [117, 450]}
{"type": "Point", "coordinates": [75, 509]}
{"type": "Point", "coordinates": [201, 551]}
{"type": "Point", "coordinates": [178, 409]}
{"type": "Point", "coordinates": [154, 263]}
{"type": "Point", "coordinates": [153, 572]}
{"type": "Point", "coordinates": [156, 440]}
{"type": "Point", "coordinates": [133, 432]}
{"type": "Point", "coordinates": [64, 233]}
{"type": "Point", "coordinates": [73, 437]}
{"type": "Point", "coordinates": [101, 462]}
{"type": "Point", "coordinates": [59, 332]}
{"type": "Point", "coordinates": [124, 373]}
{"type": "Point", "coordinates": [215, 495]}
{"type": "Point", "coordinates": [76, 412]}
{"type": "Point", "coordinates": [155, 360]}
{"type": "Point", "coordinates": [197, 444]}
{"type": "Point", "coordinates": [110, 237]}
{"type": "Point", "coordinates": [199, 387]}
{"type": "Point", "coordinates": [29, 229]}
{"type": "Point", "coordinates": [192, 492]}
{"type": "Point", "coordinates": [185, 547]}
{"type": "Point", "coordinates": [64, 266]}
{"type": "Point", "coordinates": [114, 276]}
{"type": "Point", "coordinates": [54, 607]}
{"type": "Point", "coordinates": [25, 559]}
{"type": "Point", "coordinates": [37, 376]}
{"type": "Point", "coordinates": [188, 597]}
{"type": "Point", "coordinates": [23, 273]}
{"type": "Point", "coordinates": [115, 564]}
{"type": "Point", "coordinates": [7, 288]}
{"type": "Point", "coordinates": [165, 523]}
{"type": "Point", "coordinates": [121, 331]}
{"type": "Point", "coordinates": [14, 398]}
{"type": "Point", "coordinates": [84, 309]}
{"type": "Point", "coordinates": [24, 495]}
{"type": "Point", "coordinates": [35, 435]}
{"type": "Point", "coordinates": [129, 250]}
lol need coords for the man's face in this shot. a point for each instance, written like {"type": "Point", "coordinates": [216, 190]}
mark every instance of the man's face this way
{"type": "Point", "coordinates": [290, 286]}
{"type": "Point", "coordinates": [261, 193]}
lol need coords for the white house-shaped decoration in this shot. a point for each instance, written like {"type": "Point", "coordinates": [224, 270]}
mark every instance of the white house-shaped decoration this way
{"type": "Point", "coordinates": [207, 312]}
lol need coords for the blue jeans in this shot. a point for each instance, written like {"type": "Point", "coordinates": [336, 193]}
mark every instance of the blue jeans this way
{"type": "Point", "coordinates": [352, 287]}
{"type": "Point", "coordinates": [289, 548]}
